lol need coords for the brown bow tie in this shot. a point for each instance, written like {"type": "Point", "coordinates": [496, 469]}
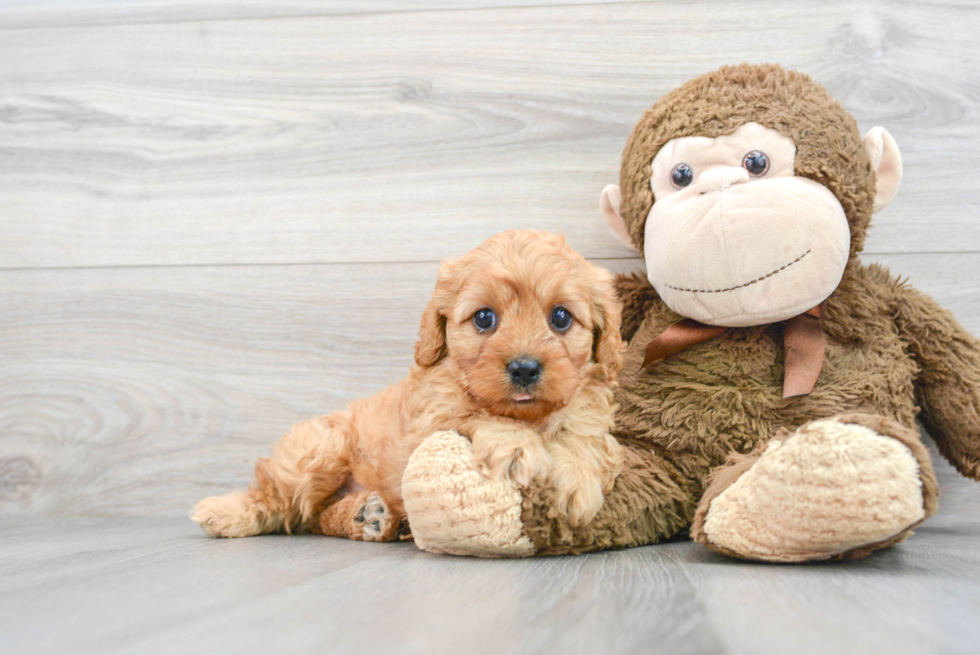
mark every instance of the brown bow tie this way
{"type": "Point", "coordinates": [803, 340]}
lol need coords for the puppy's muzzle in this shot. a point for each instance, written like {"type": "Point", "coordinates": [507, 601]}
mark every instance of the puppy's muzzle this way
{"type": "Point", "coordinates": [524, 371]}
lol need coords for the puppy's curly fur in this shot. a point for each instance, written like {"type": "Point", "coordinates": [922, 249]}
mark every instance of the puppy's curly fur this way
{"type": "Point", "coordinates": [341, 473]}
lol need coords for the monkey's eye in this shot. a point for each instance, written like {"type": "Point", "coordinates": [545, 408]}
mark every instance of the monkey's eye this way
{"type": "Point", "coordinates": [681, 176]}
{"type": "Point", "coordinates": [756, 163]}
{"type": "Point", "coordinates": [561, 318]}
{"type": "Point", "coordinates": [484, 319]}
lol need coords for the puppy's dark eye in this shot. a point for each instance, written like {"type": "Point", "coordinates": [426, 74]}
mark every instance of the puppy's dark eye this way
{"type": "Point", "coordinates": [484, 319]}
{"type": "Point", "coordinates": [561, 319]}
{"type": "Point", "coordinates": [756, 163]}
{"type": "Point", "coordinates": [681, 176]}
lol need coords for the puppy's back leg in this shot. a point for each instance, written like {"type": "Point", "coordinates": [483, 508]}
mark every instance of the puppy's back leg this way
{"type": "Point", "coordinates": [366, 515]}
{"type": "Point", "coordinates": [290, 488]}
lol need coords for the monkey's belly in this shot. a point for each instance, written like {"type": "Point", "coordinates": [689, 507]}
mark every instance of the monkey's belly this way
{"type": "Point", "coordinates": [725, 395]}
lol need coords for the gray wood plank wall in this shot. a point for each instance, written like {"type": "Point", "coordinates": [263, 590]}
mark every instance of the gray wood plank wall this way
{"type": "Point", "coordinates": [219, 218]}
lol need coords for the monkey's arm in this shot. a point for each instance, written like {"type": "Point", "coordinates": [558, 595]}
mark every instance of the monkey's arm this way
{"type": "Point", "coordinates": [948, 385]}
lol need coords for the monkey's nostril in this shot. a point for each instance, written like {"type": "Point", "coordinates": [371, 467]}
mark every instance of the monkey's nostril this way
{"type": "Point", "coordinates": [524, 371]}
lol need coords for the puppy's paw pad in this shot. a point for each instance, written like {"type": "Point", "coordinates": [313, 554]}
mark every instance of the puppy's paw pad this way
{"type": "Point", "coordinates": [375, 519]}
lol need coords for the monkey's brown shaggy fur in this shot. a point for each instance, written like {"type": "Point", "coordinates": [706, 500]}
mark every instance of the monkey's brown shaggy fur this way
{"type": "Point", "coordinates": [890, 352]}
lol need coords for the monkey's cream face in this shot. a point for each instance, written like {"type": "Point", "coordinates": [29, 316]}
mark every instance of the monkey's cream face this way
{"type": "Point", "coordinates": [734, 237]}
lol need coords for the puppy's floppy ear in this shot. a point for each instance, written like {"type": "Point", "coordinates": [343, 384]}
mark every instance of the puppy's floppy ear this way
{"type": "Point", "coordinates": [607, 344]}
{"type": "Point", "coordinates": [431, 345]}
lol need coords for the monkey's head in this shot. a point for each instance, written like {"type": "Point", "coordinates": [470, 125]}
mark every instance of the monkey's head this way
{"type": "Point", "coordinates": [747, 191]}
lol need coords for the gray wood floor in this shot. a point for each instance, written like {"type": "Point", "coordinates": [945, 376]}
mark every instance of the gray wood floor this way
{"type": "Point", "coordinates": [218, 218]}
{"type": "Point", "coordinates": [137, 585]}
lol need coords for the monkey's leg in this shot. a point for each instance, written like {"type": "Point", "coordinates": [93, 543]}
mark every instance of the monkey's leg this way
{"type": "Point", "coordinates": [837, 488]}
{"type": "Point", "coordinates": [454, 508]}
{"type": "Point", "coordinates": [290, 488]}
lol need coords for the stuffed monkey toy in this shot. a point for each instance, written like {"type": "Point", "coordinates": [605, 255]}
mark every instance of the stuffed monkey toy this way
{"type": "Point", "coordinates": [772, 381]}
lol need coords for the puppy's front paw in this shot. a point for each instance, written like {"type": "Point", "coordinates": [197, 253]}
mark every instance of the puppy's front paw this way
{"type": "Point", "coordinates": [583, 472]}
{"type": "Point", "coordinates": [581, 500]}
{"type": "Point", "coordinates": [522, 461]}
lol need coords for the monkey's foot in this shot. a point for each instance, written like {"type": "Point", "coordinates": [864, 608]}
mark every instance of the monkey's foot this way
{"type": "Point", "coordinates": [454, 508]}
{"type": "Point", "coordinates": [836, 488]}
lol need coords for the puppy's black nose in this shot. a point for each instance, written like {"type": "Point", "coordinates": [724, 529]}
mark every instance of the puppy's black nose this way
{"type": "Point", "coordinates": [524, 371]}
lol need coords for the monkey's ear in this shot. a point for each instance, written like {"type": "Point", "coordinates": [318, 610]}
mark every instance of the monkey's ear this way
{"type": "Point", "coordinates": [886, 161]}
{"type": "Point", "coordinates": [609, 204]}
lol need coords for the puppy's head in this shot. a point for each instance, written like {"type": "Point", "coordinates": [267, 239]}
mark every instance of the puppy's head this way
{"type": "Point", "coordinates": [526, 320]}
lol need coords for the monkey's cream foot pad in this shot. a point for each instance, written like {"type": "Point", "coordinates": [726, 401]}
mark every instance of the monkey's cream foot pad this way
{"type": "Point", "coordinates": [830, 489]}
{"type": "Point", "coordinates": [455, 509]}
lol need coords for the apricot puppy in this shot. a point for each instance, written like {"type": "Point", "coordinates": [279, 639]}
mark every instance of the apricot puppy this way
{"type": "Point", "coordinates": [518, 349]}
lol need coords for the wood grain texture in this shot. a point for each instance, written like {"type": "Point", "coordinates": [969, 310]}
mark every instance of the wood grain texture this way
{"type": "Point", "coordinates": [110, 585]}
{"type": "Point", "coordinates": [26, 14]}
{"type": "Point", "coordinates": [138, 391]}
{"type": "Point", "coordinates": [221, 217]}
{"type": "Point", "coordinates": [399, 137]}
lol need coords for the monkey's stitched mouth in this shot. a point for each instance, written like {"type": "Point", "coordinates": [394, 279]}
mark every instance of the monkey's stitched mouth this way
{"type": "Point", "coordinates": [741, 286]}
